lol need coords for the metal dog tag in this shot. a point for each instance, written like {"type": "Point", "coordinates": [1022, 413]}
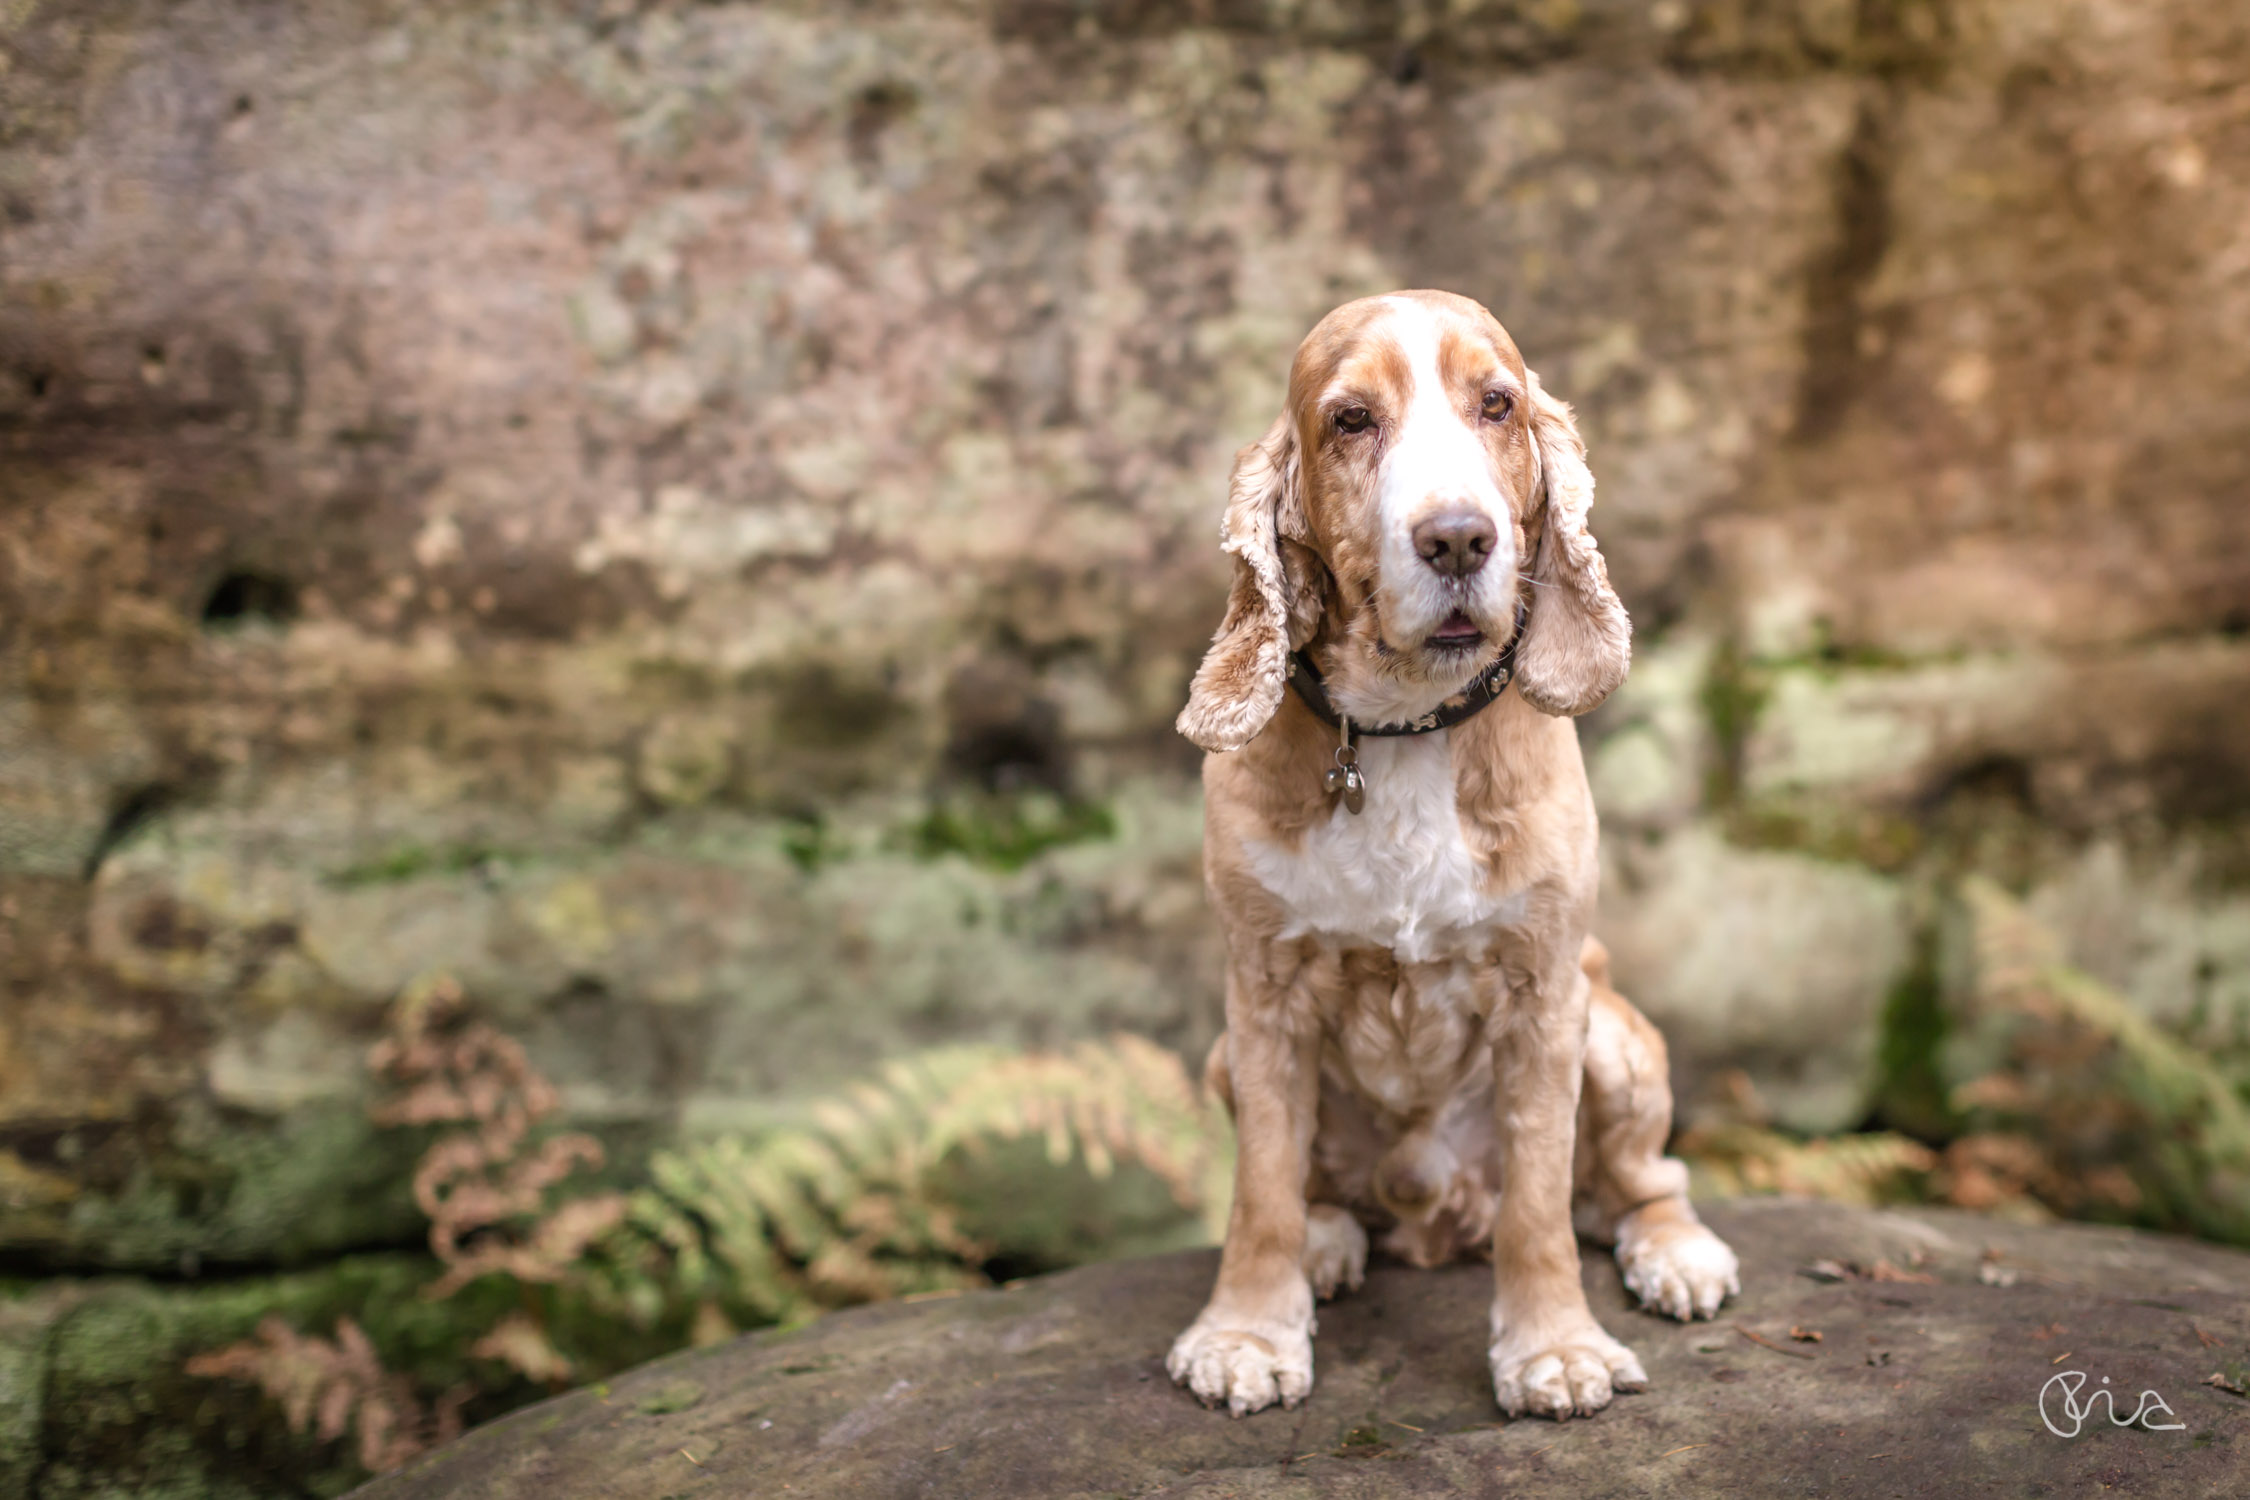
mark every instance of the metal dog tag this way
{"type": "Point", "coordinates": [1345, 777]}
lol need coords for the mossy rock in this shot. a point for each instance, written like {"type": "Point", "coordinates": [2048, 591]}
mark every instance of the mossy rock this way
{"type": "Point", "coordinates": [209, 1186]}
{"type": "Point", "coordinates": [96, 1401]}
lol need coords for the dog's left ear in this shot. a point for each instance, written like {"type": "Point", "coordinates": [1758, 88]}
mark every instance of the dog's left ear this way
{"type": "Point", "coordinates": [1272, 605]}
{"type": "Point", "coordinates": [1578, 641]}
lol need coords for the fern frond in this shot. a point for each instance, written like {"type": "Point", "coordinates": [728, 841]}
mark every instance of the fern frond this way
{"type": "Point", "coordinates": [844, 1207]}
{"type": "Point", "coordinates": [1749, 1160]}
{"type": "Point", "coordinates": [336, 1385]}
{"type": "Point", "coordinates": [2021, 967]}
{"type": "Point", "coordinates": [2081, 1101]}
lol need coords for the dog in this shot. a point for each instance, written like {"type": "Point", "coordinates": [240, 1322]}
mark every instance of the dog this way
{"type": "Point", "coordinates": [1421, 1039]}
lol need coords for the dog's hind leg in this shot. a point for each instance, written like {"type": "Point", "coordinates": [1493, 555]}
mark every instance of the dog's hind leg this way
{"type": "Point", "coordinates": [1335, 1250]}
{"type": "Point", "coordinates": [1629, 1190]}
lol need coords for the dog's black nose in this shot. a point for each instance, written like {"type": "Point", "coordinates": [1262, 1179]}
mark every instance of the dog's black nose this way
{"type": "Point", "coordinates": [1455, 542]}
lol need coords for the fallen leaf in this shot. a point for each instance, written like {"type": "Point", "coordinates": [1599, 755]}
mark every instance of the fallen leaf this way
{"type": "Point", "coordinates": [1766, 1343]}
{"type": "Point", "coordinates": [1883, 1270]}
{"type": "Point", "coordinates": [1804, 1335]}
{"type": "Point", "coordinates": [1827, 1270]}
{"type": "Point", "coordinates": [2231, 1387]}
{"type": "Point", "coordinates": [2210, 1340]}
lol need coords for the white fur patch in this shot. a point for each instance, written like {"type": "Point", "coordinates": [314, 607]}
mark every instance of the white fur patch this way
{"type": "Point", "coordinates": [1435, 460]}
{"type": "Point", "coordinates": [1396, 875]}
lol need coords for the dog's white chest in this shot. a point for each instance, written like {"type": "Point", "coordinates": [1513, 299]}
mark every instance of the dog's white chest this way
{"type": "Point", "coordinates": [1397, 875]}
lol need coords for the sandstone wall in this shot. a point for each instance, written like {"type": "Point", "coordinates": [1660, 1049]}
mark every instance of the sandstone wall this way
{"type": "Point", "coordinates": [696, 519]}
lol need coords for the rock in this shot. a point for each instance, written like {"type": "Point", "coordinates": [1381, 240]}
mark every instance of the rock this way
{"type": "Point", "coordinates": [2175, 941]}
{"type": "Point", "coordinates": [1805, 1020]}
{"type": "Point", "coordinates": [1924, 1375]}
{"type": "Point", "coordinates": [687, 981]}
{"type": "Point", "coordinates": [1892, 734]}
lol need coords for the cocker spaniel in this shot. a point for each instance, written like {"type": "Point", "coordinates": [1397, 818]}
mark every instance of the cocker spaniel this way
{"type": "Point", "coordinates": [1422, 1043]}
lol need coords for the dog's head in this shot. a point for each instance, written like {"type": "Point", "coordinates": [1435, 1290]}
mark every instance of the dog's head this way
{"type": "Point", "coordinates": [1418, 479]}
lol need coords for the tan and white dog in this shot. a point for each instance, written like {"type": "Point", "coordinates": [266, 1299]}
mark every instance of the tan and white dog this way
{"type": "Point", "coordinates": [1421, 1037]}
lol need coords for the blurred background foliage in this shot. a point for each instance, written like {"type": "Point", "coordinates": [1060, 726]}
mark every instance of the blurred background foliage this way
{"type": "Point", "coordinates": [592, 594]}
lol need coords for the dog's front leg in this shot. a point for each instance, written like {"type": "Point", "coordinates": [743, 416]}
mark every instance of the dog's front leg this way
{"type": "Point", "coordinates": [1252, 1345]}
{"type": "Point", "coordinates": [1549, 1356]}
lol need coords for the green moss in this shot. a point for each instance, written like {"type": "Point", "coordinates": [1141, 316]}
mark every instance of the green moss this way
{"type": "Point", "coordinates": [672, 1396]}
{"type": "Point", "coordinates": [1911, 1094]}
{"type": "Point", "coordinates": [1847, 835]}
{"type": "Point", "coordinates": [1733, 695]}
{"type": "Point", "coordinates": [1364, 1440]}
{"type": "Point", "coordinates": [220, 1187]}
{"type": "Point", "coordinates": [119, 1414]}
{"type": "Point", "coordinates": [115, 1413]}
{"type": "Point", "coordinates": [413, 861]}
{"type": "Point", "coordinates": [811, 843]}
{"type": "Point", "coordinates": [1834, 657]}
{"type": "Point", "coordinates": [1007, 832]}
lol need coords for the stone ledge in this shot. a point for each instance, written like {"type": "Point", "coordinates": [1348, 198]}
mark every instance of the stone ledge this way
{"type": "Point", "coordinates": [1055, 1387]}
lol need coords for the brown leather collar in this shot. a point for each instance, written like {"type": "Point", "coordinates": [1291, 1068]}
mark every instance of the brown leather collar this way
{"type": "Point", "coordinates": [1466, 704]}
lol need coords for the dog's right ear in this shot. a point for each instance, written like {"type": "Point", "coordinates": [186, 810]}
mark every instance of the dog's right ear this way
{"type": "Point", "coordinates": [1272, 604]}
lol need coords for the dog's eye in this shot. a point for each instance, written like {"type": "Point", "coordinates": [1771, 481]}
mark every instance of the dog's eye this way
{"type": "Point", "coordinates": [1497, 405]}
{"type": "Point", "coordinates": [1354, 419]}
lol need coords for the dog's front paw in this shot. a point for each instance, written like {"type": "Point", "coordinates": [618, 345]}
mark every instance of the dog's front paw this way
{"type": "Point", "coordinates": [1244, 1368]}
{"type": "Point", "coordinates": [1573, 1374]}
{"type": "Point", "coordinates": [1682, 1269]}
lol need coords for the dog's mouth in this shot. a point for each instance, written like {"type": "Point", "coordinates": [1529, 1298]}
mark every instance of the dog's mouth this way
{"type": "Point", "coordinates": [1457, 632]}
